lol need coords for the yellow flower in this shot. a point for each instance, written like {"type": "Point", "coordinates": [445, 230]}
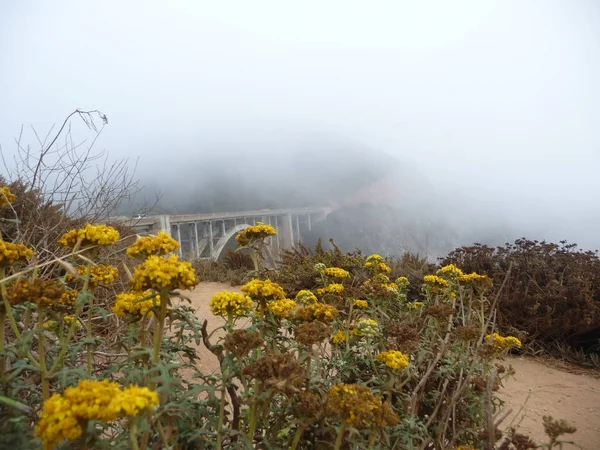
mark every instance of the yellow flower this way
{"type": "Point", "coordinates": [500, 343]}
{"type": "Point", "coordinates": [49, 324]}
{"type": "Point", "coordinates": [70, 319]}
{"type": "Point", "coordinates": [415, 305]}
{"type": "Point", "coordinates": [391, 287]}
{"type": "Point", "coordinates": [134, 400]}
{"type": "Point", "coordinates": [383, 268]}
{"type": "Point", "coordinates": [402, 282]}
{"type": "Point", "coordinates": [135, 303]}
{"type": "Point", "coordinates": [164, 272]}
{"type": "Point", "coordinates": [63, 416]}
{"type": "Point", "coordinates": [6, 197]}
{"type": "Point", "coordinates": [254, 233]}
{"type": "Point", "coordinates": [161, 244]}
{"type": "Point", "coordinates": [282, 308]}
{"type": "Point", "coordinates": [11, 253]}
{"type": "Point", "coordinates": [334, 288]}
{"type": "Point", "coordinates": [230, 303]}
{"type": "Point", "coordinates": [90, 235]}
{"type": "Point", "coordinates": [381, 278]}
{"type": "Point", "coordinates": [367, 327]}
{"type": "Point", "coordinates": [42, 292]}
{"type": "Point", "coordinates": [361, 304]}
{"type": "Point", "coordinates": [263, 290]}
{"type": "Point", "coordinates": [305, 297]}
{"type": "Point", "coordinates": [339, 337]}
{"type": "Point", "coordinates": [393, 359]}
{"type": "Point", "coordinates": [435, 281]}
{"type": "Point", "coordinates": [450, 271]}
{"type": "Point", "coordinates": [69, 297]}
{"type": "Point", "coordinates": [359, 407]}
{"type": "Point", "coordinates": [319, 311]}
{"type": "Point", "coordinates": [476, 280]}
{"type": "Point", "coordinates": [57, 422]}
{"type": "Point", "coordinates": [374, 258]}
{"type": "Point", "coordinates": [336, 272]}
{"type": "Point", "coordinates": [100, 274]}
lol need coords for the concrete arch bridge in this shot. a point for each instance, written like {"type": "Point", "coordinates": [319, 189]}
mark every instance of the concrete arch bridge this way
{"type": "Point", "coordinates": [205, 236]}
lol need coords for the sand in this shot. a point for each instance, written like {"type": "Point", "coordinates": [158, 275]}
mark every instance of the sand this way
{"type": "Point", "coordinates": [537, 389]}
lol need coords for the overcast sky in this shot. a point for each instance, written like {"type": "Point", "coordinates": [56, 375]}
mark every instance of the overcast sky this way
{"type": "Point", "coordinates": [497, 100]}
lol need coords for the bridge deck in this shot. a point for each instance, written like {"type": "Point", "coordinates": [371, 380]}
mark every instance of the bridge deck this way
{"type": "Point", "coordinates": [183, 218]}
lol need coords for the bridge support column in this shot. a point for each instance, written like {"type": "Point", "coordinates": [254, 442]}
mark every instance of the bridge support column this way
{"type": "Point", "coordinates": [211, 242]}
{"type": "Point", "coordinates": [164, 224]}
{"type": "Point", "coordinates": [178, 226]}
{"type": "Point", "coordinates": [196, 241]}
{"type": "Point", "coordinates": [286, 232]}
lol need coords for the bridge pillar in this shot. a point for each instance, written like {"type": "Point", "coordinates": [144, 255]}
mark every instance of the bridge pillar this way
{"type": "Point", "coordinates": [163, 224]}
{"type": "Point", "coordinates": [286, 232]}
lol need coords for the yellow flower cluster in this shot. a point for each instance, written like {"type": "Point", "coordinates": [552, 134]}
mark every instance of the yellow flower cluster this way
{"type": "Point", "coordinates": [254, 233]}
{"type": "Point", "coordinates": [42, 292]}
{"type": "Point", "coordinates": [402, 282]}
{"type": "Point", "coordinates": [435, 281]}
{"type": "Point", "coordinates": [335, 272]}
{"type": "Point", "coordinates": [263, 290]}
{"type": "Point", "coordinates": [51, 324]}
{"type": "Point", "coordinates": [70, 319]}
{"type": "Point", "coordinates": [334, 288]}
{"type": "Point", "coordinates": [164, 272]}
{"type": "Point", "coordinates": [65, 416]}
{"type": "Point", "coordinates": [393, 288]}
{"type": "Point", "coordinates": [359, 407]}
{"type": "Point", "coordinates": [230, 303]}
{"type": "Point", "coordinates": [450, 271]}
{"type": "Point", "coordinates": [500, 343]}
{"type": "Point", "coordinates": [282, 308]}
{"type": "Point", "coordinates": [69, 297]}
{"type": "Point", "coordinates": [380, 278]}
{"type": "Point", "coordinates": [361, 304]}
{"type": "Point", "coordinates": [100, 274]}
{"type": "Point", "coordinates": [465, 447]}
{"type": "Point", "coordinates": [374, 258]}
{"type": "Point", "coordinates": [305, 297]}
{"type": "Point", "coordinates": [319, 311]}
{"type": "Point", "coordinates": [376, 263]}
{"type": "Point", "coordinates": [473, 278]}
{"type": "Point", "coordinates": [6, 197]}
{"type": "Point", "coordinates": [90, 235]}
{"type": "Point", "coordinates": [393, 359]}
{"type": "Point", "coordinates": [339, 337]}
{"type": "Point", "coordinates": [416, 305]}
{"type": "Point", "coordinates": [161, 244]}
{"type": "Point", "coordinates": [11, 253]}
{"type": "Point", "coordinates": [383, 268]}
{"type": "Point", "coordinates": [368, 327]}
{"type": "Point", "coordinates": [135, 303]}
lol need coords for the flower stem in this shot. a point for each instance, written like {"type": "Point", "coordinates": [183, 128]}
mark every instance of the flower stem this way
{"type": "Point", "coordinates": [2, 360]}
{"type": "Point", "coordinates": [340, 437]}
{"type": "Point", "coordinates": [42, 352]}
{"type": "Point", "coordinates": [160, 326]}
{"type": "Point", "coordinates": [372, 439]}
{"type": "Point", "coordinates": [221, 414]}
{"type": "Point", "coordinates": [133, 434]}
{"type": "Point", "coordinates": [89, 336]}
{"type": "Point", "coordinates": [297, 437]}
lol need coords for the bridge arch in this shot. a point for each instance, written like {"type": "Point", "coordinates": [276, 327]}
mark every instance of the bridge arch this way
{"type": "Point", "coordinates": [222, 242]}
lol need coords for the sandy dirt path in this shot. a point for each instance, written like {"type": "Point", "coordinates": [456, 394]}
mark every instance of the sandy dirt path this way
{"type": "Point", "coordinates": [542, 389]}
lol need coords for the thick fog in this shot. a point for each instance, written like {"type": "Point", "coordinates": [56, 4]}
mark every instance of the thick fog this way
{"type": "Point", "coordinates": [484, 116]}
